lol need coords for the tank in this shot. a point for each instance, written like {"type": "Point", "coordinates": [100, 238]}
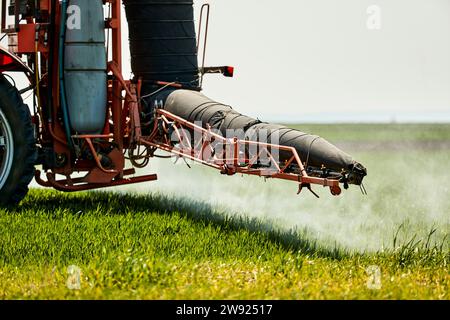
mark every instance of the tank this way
{"type": "Point", "coordinates": [85, 67]}
{"type": "Point", "coordinates": [163, 43]}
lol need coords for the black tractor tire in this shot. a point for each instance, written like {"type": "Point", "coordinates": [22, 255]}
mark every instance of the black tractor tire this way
{"type": "Point", "coordinates": [15, 123]}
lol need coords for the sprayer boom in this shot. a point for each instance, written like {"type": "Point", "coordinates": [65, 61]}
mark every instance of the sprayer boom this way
{"type": "Point", "coordinates": [229, 155]}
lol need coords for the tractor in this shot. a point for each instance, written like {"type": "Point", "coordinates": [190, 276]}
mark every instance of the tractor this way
{"type": "Point", "coordinates": [87, 127]}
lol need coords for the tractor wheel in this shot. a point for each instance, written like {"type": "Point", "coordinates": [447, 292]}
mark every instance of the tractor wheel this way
{"type": "Point", "coordinates": [18, 152]}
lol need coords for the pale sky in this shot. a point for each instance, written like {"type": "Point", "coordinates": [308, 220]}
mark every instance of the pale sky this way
{"type": "Point", "coordinates": [316, 60]}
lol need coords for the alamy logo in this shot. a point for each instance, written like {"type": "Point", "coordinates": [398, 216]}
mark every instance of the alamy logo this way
{"type": "Point", "coordinates": [216, 150]}
{"type": "Point", "coordinates": [374, 17]}
{"type": "Point", "coordinates": [374, 277]}
{"type": "Point", "coordinates": [73, 278]}
{"type": "Point", "coordinates": [74, 18]}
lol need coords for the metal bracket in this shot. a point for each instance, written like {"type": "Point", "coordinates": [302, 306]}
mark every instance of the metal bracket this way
{"type": "Point", "coordinates": [308, 186]}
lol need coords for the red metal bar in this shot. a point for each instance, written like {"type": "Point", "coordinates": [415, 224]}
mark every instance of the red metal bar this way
{"type": "Point", "coordinates": [61, 186]}
{"type": "Point", "coordinates": [93, 136]}
{"type": "Point", "coordinates": [117, 33]}
{"type": "Point", "coordinates": [169, 84]}
{"type": "Point", "coordinates": [72, 181]}
{"type": "Point", "coordinates": [79, 184]}
{"type": "Point", "coordinates": [116, 108]}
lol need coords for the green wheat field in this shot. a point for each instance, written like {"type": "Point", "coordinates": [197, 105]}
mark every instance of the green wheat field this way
{"type": "Point", "coordinates": [195, 234]}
